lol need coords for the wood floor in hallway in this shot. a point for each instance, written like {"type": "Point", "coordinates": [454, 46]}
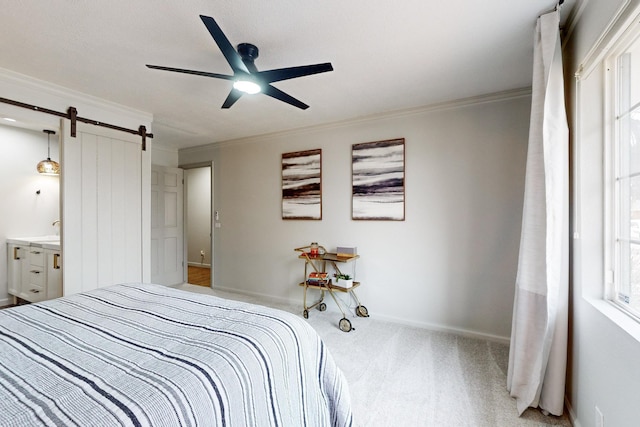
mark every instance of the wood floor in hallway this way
{"type": "Point", "coordinates": [199, 276]}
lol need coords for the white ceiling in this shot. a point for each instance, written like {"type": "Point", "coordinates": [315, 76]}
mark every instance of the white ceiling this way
{"type": "Point", "coordinates": [387, 55]}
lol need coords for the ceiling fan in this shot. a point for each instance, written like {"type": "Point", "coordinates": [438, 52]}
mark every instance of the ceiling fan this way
{"type": "Point", "coordinates": [246, 77]}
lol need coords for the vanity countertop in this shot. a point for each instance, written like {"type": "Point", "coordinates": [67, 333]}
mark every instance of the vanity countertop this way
{"type": "Point", "coordinates": [45, 242]}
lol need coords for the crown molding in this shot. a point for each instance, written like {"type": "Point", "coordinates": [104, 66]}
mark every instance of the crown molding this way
{"type": "Point", "coordinates": [36, 90]}
{"type": "Point", "coordinates": [443, 106]}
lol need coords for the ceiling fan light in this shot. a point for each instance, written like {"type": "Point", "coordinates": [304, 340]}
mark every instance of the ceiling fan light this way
{"type": "Point", "coordinates": [247, 86]}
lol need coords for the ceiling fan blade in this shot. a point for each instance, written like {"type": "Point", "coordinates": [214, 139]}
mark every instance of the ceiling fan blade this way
{"type": "Point", "coordinates": [197, 73]}
{"type": "Point", "coordinates": [270, 76]}
{"type": "Point", "coordinates": [284, 97]}
{"type": "Point", "coordinates": [233, 96]}
{"type": "Point", "coordinates": [251, 67]}
{"type": "Point", "coordinates": [229, 52]}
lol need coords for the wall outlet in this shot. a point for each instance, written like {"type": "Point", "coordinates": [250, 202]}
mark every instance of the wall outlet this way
{"type": "Point", "coordinates": [202, 252]}
{"type": "Point", "coordinates": [599, 418]}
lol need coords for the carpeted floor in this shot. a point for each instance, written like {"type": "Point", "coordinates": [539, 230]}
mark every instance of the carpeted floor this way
{"type": "Point", "coordinates": [405, 376]}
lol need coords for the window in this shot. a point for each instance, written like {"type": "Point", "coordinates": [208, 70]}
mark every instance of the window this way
{"type": "Point", "coordinates": [623, 287]}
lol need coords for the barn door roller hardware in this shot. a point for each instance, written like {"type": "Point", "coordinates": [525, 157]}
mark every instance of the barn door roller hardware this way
{"type": "Point", "coordinates": [72, 115]}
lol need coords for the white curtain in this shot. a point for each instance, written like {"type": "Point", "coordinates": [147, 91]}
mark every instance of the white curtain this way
{"type": "Point", "coordinates": [538, 353]}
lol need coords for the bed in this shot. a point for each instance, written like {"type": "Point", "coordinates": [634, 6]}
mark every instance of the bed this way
{"type": "Point", "coordinates": [149, 355]}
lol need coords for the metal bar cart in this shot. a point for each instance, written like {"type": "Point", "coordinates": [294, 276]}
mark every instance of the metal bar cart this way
{"type": "Point", "coordinates": [318, 279]}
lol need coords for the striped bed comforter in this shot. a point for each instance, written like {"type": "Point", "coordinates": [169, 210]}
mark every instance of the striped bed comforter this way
{"type": "Point", "coordinates": [147, 355]}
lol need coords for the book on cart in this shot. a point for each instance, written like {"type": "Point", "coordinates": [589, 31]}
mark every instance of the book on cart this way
{"type": "Point", "coordinates": [318, 279]}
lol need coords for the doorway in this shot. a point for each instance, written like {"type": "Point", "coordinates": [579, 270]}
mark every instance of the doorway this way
{"type": "Point", "coordinates": [198, 207]}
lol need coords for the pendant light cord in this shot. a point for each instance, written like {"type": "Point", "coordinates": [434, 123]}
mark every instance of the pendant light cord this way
{"type": "Point", "coordinates": [49, 133]}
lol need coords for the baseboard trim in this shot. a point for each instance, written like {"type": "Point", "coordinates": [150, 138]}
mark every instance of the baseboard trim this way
{"type": "Point", "coordinates": [197, 264]}
{"type": "Point", "coordinates": [266, 297]}
{"type": "Point", "coordinates": [441, 328]}
{"type": "Point", "coordinates": [422, 325]}
{"type": "Point", "coordinates": [573, 417]}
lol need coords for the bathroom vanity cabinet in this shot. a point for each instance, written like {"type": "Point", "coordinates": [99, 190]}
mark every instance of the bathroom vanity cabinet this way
{"type": "Point", "coordinates": [17, 266]}
{"type": "Point", "coordinates": [34, 269]}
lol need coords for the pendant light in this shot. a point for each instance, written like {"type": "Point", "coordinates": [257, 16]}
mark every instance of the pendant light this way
{"type": "Point", "coordinates": [48, 167]}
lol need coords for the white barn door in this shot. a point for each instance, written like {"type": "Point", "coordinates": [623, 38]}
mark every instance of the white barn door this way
{"type": "Point", "coordinates": [105, 208]}
{"type": "Point", "coordinates": [167, 225]}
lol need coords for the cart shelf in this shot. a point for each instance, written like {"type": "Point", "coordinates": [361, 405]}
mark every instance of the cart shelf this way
{"type": "Point", "coordinates": [330, 285]}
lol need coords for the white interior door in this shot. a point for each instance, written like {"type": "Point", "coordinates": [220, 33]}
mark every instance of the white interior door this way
{"type": "Point", "coordinates": [167, 225]}
{"type": "Point", "coordinates": [105, 208]}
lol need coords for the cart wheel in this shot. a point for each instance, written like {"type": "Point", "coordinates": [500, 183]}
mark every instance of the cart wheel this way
{"type": "Point", "coordinates": [362, 311]}
{"type": "Point", "coordinates": [345, 325]}
{"type": "Point", "coordinates": [305, 313]}
{"type": "Point", "coordinates": [322, 306]}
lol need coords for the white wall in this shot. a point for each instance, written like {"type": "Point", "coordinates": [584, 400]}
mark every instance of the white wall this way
{"type": "Point", "coordinates": [198, 183]}
{"type": "Point", "coordinates": [451, 264]}
{"type": "Point", "coordinates": [163, 156]}
{"type": "Point", "coordinates": [25, 213]}
{"type": "Point", "coordinates": [603, 358]}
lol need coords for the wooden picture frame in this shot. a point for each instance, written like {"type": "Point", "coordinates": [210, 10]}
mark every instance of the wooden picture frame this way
{"type": "Point", "coordinates": [377, 180]}
{"type": "Point", "coordinates": [302, 185]}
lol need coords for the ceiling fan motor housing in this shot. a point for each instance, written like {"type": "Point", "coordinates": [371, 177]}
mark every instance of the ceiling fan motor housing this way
{"type": "Point", "coordinates": [248, 51]}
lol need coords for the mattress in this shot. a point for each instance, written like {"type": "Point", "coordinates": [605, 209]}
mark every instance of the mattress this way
{"type": "Point", "coordinates": [149, 355]}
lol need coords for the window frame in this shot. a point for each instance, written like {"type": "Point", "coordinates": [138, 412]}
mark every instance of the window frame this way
{"type": "Point", "coordinates": [614, 192]}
